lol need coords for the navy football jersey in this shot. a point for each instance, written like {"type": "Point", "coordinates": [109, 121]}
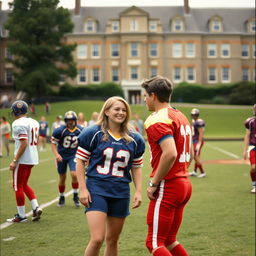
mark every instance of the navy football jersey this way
{"type": "Point", "coordinates": [110, 162]}
{"type": "Point", "coordinates": [66, 140]}
{"type": "Point", "coordinates": [43, 127]}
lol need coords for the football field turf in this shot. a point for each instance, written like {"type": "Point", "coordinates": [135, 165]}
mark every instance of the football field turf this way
{"type": "Point", "coordinates": [218, 220]}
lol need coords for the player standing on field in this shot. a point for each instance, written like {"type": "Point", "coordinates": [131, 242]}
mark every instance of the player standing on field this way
{"type": "Point", "coordinates": [169, 137]}
{"type": "Point", "coordinates": [250, 146]}
{"type": "Point", "coordinates": [111, 150]}
{"type": "Point", "coordinates": [25, 134]}
{"type": "Point", "coordinates": [198, 126]}
{"type": "Point", "coordinates": [64, 145]}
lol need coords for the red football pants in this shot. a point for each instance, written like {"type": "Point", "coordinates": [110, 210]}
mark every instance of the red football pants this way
{"type": "Point", "coordinates": [20, 184]}
{"type": "Point", "coordinates": [165, 212]}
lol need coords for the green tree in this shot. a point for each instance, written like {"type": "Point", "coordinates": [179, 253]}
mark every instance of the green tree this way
{"type": "Point", "coordinates": [36, 33]}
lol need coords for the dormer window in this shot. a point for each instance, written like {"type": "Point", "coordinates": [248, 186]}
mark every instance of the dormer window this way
{"type": "Point", "coordinates": [152, 26]}
{"type": "Point", "coordinates": [134, 25]}
{"type": "Point", "coordinates": [115, 26]}
{"type": "Point", "coordinates": [177, 25]}
{"type": "Point", "coordinates": [216, 25]}
{"type": "Point", "coordinates": [90, 26]}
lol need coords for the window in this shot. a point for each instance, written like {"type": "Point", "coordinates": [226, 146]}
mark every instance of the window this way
{"type": "Point", "coordinates": [245, 74]}
{"type": "Point", "coordinates": [225, 50]}
{"type": "Point", "coordinates": [212, 75]}
{"type": "Point", "coordinates": [190, 50]}
{"type": "Point", "coordinates": [216, 25]}
{"type": "Point", "coordinates": [95, 51]}
{"type": "Point", "coordinates": [134, 73]}
{"type": "Point", "coordinates": [153, 50]}
{"type": "Point", "coordinates": [115, 74]}
{"type": "Point", "coordinates": [8, 54]}
{"type": "Point", "coordinates": [134, 49]}
{"type": "Point", "coordinates": [115, 50]}
{"type": "Point", "coordinates": [81, 51]}
{"type": "Point", "coordinates": [177, 74]}
{"type": "Point", "coordinates": [95, 75]}
{"type": "Point", "coordinates": [62, 78]}
{"type": "Point", "coordinates": [9, 76]}
{"type": "Point", "coordinates": [254, 51]}
{"type": "Point", "coordinates": [177, 50]}
{"type": "Point", "coordinates": [211, 50]}
{"type": "Point", "coordinates": [225, 75]}
{"type": "Point", "coordinates": [115, 26]}
{"type": "Point", "coordinates": [253, 26]}
{"type": "Point", "coordinates": [134, 25]}
{"type": "Point", "coordinates": [178, 25]}
{"type": "Point", "coordinates": [90, 26]}
{"type": "Point", "coordinates": [153, 71]}
{"type": "Point", "coordinates": [190, 74]}
{"type": "Point", "coordinates": [245, 50]}
{"type": "Point", "coordinates": [152, 26]}
{"type": "Point", "coordinates": [82, 75]}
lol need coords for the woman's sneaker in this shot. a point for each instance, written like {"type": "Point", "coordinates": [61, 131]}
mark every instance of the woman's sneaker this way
{"type": "Point", "coordinates": [17, 219]}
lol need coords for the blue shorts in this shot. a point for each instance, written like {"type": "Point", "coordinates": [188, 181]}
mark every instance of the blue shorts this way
{"type": "Point", "coordinates": [114, 207]}
{"type": "Point", "coordinates": [62, 166]}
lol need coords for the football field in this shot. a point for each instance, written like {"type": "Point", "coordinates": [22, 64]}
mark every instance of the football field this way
{"type": "Point", "coordinates": [218, 220]}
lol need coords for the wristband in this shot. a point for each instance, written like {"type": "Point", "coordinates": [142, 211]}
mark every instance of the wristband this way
{"type": "Point", "coordinates": [14, 160]}
{"type": "Point", "coordinates": [152, 185]}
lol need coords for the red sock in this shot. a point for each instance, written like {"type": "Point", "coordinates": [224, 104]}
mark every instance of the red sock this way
{"type": "Point", "coordinates": [195, 168]}
{"type": "Point", "coordinates": [162, 251]}
{"type": "Point", "coordinates": [253, 176]}
{"type": "Point", "coordinates": [200, 168]}
{"type": "Point", "coordinates": [61, 189]}
{"type": "Point", "coordinates": [75, 185]}
{"type": "Point", "coordinates": [179, 250]}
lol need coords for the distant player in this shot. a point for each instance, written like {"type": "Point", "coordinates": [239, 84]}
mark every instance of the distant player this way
{"type": "Point", "coordinates": [25, 134]}
{"type": "Point", "coordinates": [43, 131]}
{"type": "Point", "coordinates": [250, 146]}
{"type": "Point", "coordinates": [64, 145]}
{"type": "Point", "coordinates": [198, 126]}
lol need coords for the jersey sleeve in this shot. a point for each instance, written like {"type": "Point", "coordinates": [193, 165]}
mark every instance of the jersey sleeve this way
{"type": "Point", "coordinates": [140, 149]}
{"type": "Point", "coordinates": [246, 123]}
{"type": "Point", "coordinates": [20, 132]}
{"type": "Point", "coordinates": [56, 135]}
{"type": "Point", "coordinates": [200, 124]}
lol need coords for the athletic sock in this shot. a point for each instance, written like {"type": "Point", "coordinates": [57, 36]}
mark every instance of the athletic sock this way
{"type": "Point", "coordinates": [75, 187]}
{"type": "Point", "coordinates": [34, 203]}
{"type": "Point", "coordinates": [162, 251]}
{"type": "Point", "coordinates": [21, 211]}
{"type": "Point", "coordinates": [200, 168]}
{"type": "Point", "coordinates": [253, 176]}
{"type": "Point", "coordinates": [195, 167]}
{"type": "Point", "coordinates": [179, 250]}
{"type": "Point", "coordinates": [61, 190]}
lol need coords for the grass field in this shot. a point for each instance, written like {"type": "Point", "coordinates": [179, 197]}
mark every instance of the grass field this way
{"type": "Point", "coordinates": [219, 219]}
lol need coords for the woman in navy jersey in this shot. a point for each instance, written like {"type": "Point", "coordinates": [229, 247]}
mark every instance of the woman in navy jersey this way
{"type": "Point", "coordinates": [109, 150]}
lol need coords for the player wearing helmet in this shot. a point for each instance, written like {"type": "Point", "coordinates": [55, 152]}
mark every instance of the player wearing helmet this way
{"type": "Point", "coordinates": [64, 146]}
{"type": "Point", "coordinates": [250, 146]}
{"type": "Point", "coordinates": [198, 126]}
{"type": "Point", "coordinates": [25, 134]}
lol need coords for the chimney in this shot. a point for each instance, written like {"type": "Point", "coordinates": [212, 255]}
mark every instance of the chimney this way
{"type": "Point", "coordinates": [186, 6]}
{"type": "Point", "coordinates": [77, 7]}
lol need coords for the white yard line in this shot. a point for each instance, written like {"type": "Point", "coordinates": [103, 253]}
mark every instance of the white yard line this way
{"type": "Point", "coordinates": [223, 151]}
{"type": "Point", "coordinates": [41, 161]}
{"type": "Point", "coordinates": [7, 224]}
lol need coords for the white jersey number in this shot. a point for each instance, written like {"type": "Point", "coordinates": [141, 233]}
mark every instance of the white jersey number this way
{"type": "Point", "coordinates": [186, 133]}
{"type": "Point", "coordinates": [70, 142]}
{"type": "Point", "coordinates": [34, 136]}
{"type": "Point", "coordinates": [108, 153]}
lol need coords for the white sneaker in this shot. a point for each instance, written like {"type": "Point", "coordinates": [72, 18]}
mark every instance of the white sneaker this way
{"type": "Point", "coordinates": [202, 175]}
{"type": "Point", "coordinates": [253, 190]}
{"type": "Point", "coordinates": [193, 174]}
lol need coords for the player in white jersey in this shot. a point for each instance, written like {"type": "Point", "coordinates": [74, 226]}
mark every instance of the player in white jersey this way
{"type": "Point", "coordinates": [25, 134]}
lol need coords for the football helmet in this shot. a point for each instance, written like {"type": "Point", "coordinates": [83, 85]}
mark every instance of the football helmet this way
{"type": "Point", "coordinates": [19, 107]}
{"type": "Point", "coordinates": [195, 111]}
{"type": "Point", "coordinates": [70, 115]}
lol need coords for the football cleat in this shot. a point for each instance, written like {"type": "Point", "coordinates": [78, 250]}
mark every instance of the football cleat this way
{"type": "Point", "coordinates": [193, 174]}
{"type": "Point", "coordinates": [76, 200]}
{"type": "Point", "coordinates": [202, 175]}
{"type": "Point", "coordinates": [36, 214]}
{"type": "Point", "coordinates": [61, 201]}
{"type": "Point", "coordinates": [253, 190]}
{"type": "Point", "coordinates": [17, 219]}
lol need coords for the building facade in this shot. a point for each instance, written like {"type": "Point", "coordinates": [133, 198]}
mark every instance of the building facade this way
{"type": "Point", "coordinates": [128, 44]}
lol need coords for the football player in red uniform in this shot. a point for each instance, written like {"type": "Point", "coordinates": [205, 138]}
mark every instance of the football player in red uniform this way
{"type": "Point", "coordinates": [169, 136]}
{"type": "Point", "coordinates": [250, 146]}
{"type": "Point", "coordinates": [198, 126]}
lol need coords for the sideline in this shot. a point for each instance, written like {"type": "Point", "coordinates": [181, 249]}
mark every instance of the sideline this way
{"type": "Point", "coordinates": [7, 224]}
{"type": "Point", "coordinates": [223, 151]}
{"type": "Point", "coordinates": [40, 161]}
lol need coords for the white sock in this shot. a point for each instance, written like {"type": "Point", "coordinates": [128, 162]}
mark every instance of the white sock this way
{"type": "Point", "coordinates": [75, 190]}
{"type": "Point", "coordinates": [21, 211]}
{"type": "Point", "coordinates": [34, 203]}
{"type": "Point", "coordinates": [62, 194]}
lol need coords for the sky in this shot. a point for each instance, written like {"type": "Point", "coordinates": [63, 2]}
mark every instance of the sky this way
{"type": "Point", "coordinates": [192, 3]}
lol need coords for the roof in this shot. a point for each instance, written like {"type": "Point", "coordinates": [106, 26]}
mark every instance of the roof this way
{"type": "Point", "coordinates": [196, 21]}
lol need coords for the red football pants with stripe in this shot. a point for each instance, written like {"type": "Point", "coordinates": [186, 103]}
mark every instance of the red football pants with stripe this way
{"type": "Point", "coordinates": [165, 212]}
{"type": "Point", "coordinates": [20, 184]}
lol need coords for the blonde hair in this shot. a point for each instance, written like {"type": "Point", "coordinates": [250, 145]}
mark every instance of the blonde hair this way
{"type": "Point", "coordinates": [103, 119]}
